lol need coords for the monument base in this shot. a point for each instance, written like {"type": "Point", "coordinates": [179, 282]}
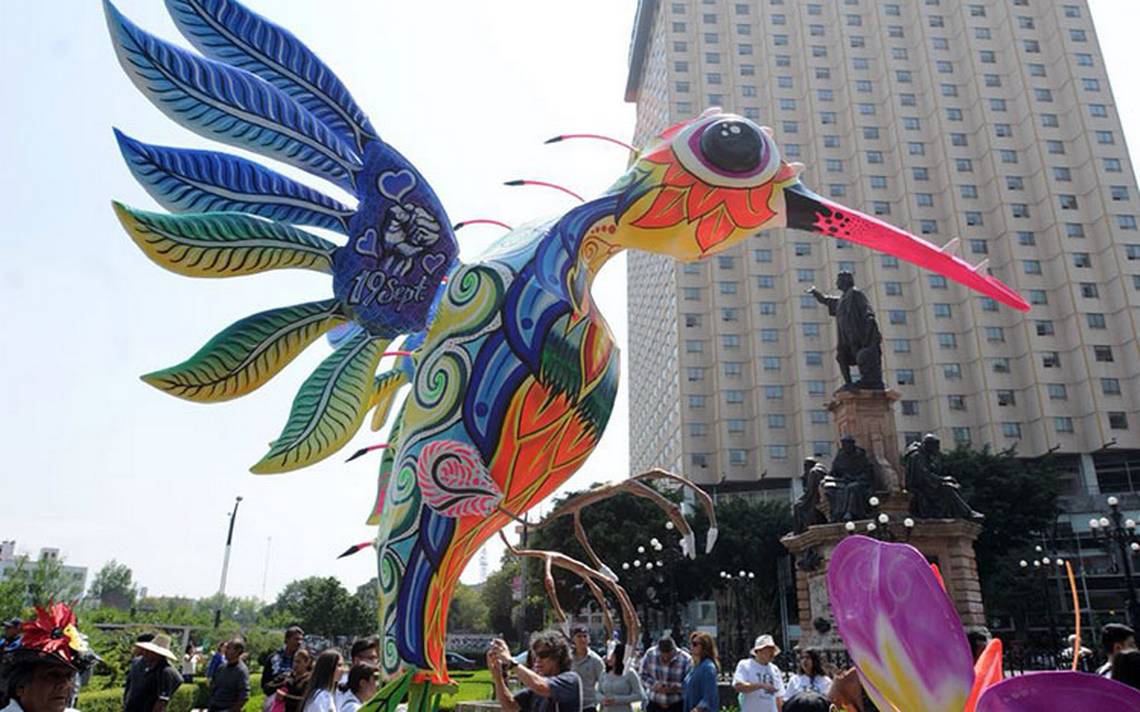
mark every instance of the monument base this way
{"type": "Point", "coordinates": [946, 542]}
{"type": "Point", "coordinates": [868, 415]}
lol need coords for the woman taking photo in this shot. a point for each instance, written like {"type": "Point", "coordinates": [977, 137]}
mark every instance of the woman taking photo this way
{"type": "Point", "coordinates": [291, 693]}
{"type": "Point", "coordinates": [320, 693]}
{"type": "Point", "coordinates": [700, 694]}
{"type": "Point", "coordinates": [620, 686]}
{"type": "Point", "coordinates": [811, 675]}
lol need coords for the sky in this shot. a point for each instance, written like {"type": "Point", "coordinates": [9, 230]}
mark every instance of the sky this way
{"type": "Point", "coordinates": [103, 466]}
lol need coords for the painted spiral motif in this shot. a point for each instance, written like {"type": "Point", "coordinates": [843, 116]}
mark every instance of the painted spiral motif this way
{"type": "Point", "coordinates": [454, 481]}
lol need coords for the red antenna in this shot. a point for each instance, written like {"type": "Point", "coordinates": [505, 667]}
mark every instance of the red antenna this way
{"type": "Point", "coordinates": [481, 221]}
{"type": "Point", "coordinates": [598, 137]}
{"type": "Point", "coordinates": [396, 353]}
{"type": "Point", "coordinates": [365, 450]}
{"type": "Point", "coordinates": [544, 184]}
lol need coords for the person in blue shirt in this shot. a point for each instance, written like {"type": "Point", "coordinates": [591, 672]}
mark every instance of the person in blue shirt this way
{"type": "Point", "coordinates": [700, 694]}
{"type": "Point", "coordinates": [11, 639]}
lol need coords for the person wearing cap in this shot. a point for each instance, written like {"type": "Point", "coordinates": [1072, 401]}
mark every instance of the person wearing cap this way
{"type": "Point", "coordinates": [758, 680]}
{"type": "Point", "coordinates": [11, 639]}
{"type": "Point", "coordinates": [663, 671]}
{"type": "Point", "coordinates": [40, 675]}
{"type": "Point", "coordinates": [588, 665]}
{"type": "Point", "coordinates": [152, 681]}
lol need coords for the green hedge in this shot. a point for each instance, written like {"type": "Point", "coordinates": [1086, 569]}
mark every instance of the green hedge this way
{"type": "Point", "coordinates": [187, 697]}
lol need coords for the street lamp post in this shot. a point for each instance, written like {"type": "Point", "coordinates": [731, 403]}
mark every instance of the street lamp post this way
{"type": "Point", "coordinates": [1043, 565]}
{"type": "Point", "coordinates": [226, 565]}
{"type": "Point", "coordinates": [1115, 528]}
{"type": "Point", "coordinates": [737, 582]}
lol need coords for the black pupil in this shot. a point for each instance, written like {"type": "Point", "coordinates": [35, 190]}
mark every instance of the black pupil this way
{"type": "Point", "coordinates": [732, 146]}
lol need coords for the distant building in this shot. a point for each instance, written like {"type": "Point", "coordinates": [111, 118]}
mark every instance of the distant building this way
{"type": "Point", "coordinates": [10, 561]}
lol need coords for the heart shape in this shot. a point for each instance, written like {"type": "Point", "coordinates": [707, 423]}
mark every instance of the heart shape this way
{"type": "Point", "coordinates": [432, 261]}
{"type": "Point", "coordinates": [395, 185]}
{"type": "Point", "coordinates": [367, 244]}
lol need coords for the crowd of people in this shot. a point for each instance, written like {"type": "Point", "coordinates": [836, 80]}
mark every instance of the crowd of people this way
{"type": "Point", "coordinates": [560, 674]}
{"type": "Point", "coordinates": [556, 673]}
{"type": "Point", "coordinates": [293, 679]}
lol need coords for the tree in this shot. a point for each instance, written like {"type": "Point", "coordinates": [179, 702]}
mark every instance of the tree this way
{"type": "Point", "coordinates": [467, 612]}
{"type": "Point", "coordinates": [498, 595]}
{"type": "Point", "coordinates": [14, 590]}
{"type": "Point", "coordinates": [749, 540]}
{"type": "Point", "coordinates": [323, 606]}
{"type": "Point", "coordinates": [113, 585]}
{"type": "Point", "coordinates": [39, 584]}
{"type": "Point", "coordinates": [1019, 499]}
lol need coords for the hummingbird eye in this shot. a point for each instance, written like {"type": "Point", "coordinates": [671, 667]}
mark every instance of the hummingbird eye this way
{"type": "Point", "coordinates": [732, 146]}
{"type": "Point", "coordinates": [728, 151]}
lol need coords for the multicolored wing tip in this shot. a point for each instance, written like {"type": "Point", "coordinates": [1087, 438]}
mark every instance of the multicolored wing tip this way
{"type": "Point", "coordinates": [1065, 691]}
{"type": "Point", "coordinates": [900, 627]}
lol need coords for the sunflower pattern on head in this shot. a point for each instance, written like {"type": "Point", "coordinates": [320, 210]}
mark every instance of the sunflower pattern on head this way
{"type": "Point", "coordinates": [509, 366]}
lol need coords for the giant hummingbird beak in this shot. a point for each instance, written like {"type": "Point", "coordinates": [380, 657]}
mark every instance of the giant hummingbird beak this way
{"type": "Point", "coordinates": [814, 213]}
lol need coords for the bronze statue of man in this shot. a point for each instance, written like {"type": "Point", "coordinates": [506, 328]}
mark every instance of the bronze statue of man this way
{"type": "Point", "coordinates": [859, 342]}
{"type": "Point", "coordinates": [849, 485]}
{"type": "Point", "coordinates": [806, 510]}
{"type": "Point", "coordinates": [933, 495]}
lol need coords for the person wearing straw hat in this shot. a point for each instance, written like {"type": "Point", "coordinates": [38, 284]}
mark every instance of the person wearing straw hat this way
{"type": "Point", "coordinates": [40, 675]}
{"type": "Point", "coordinates": [151, 683]}
{"type": "Point", "coordinates": [758, 680]}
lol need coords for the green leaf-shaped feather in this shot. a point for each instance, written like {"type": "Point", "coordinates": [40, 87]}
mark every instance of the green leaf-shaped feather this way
{"type": "Point", "coordinates": [247, 353]}
{"type": "Point", "coordinates": [223, 244]}
{"type": "Point", "coordinates": [329, 408]}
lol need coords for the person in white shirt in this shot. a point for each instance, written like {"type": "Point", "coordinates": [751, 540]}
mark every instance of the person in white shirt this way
{"type": "Point", "coordinates": [320, 693]}
{"type": "Point", "coordinates": [360, 688]}
{"type": "Point", "coordinates": [811, 675]}
{"type": "Point", "coordinates": [758, 680]}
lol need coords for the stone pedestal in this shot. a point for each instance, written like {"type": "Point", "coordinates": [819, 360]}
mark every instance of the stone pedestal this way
{"type": "Point", "coordinates": [868, 415]}
{"type": "Point", "coordinates": [946, 542]}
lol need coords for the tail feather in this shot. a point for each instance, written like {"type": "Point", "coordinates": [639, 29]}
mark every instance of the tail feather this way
{"type": "Point", "coordinates": [384, 395]}
{"type": "Point", "coordinates": [185, 180]}
{"type": "Point", "coordinates": [228, 104]}
{"type": "Point", "coordinates": [229, 32]}
{"type": "Point", "coordinates": [329, 407]}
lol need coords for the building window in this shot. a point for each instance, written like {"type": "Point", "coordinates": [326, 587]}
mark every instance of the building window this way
{"type": "Point", "coordinates": [1117, 420]}
{"type": "Point", "coordinates": [769, 336]}
{"type": "Point", "coordinates": [773, 392]}
{"type": "Point", "coordinates": [995, 334]}
{"type": "Point", "coordinates": [1011, 430]}
{"type": "Point", "coordinates": [1095, 320]}
{"type": "Point", "coordinates": [733, 369]}
{"type": "Point", "coordinates": [956, 402]}
{"type": "Point", "coordinates": [1103, 354]}
{"type": "Point", "coordinates": [1050, 359]}
{"type": "Point", "coordinates": [905, 377]}
{"type": "Point", "coordinates": [1000, 364]}
{"type": "Point", "coordinates": [1057, 391]}
{"type": "Point", "coordinates": [1089, 290]}
{"type": "Point", "coordinates": [737, 457]}
{"type": "Point", "coordinates": [1006, 397]}
{"type": "Point", "coordinates": [909, 407]}
{"type": "Point", "coordinates": [735, 426]}
{"type": "Point", "coordinates": [961, 435]}
{"type": "Point", "coordinates": [900, 346]}
{"type": "Point", "coordinates": [698, 430]}
{"type": "Point", "coordinates": [1031, 266]}
{"type": "Point", "coordinates": [730, 341]}
{"type": "Point", "coordinates": [1082, 259]}
{"type": "Point", "coordinates": [1063, 424]}
{"type": "Point", "coordinates": [1044, 327]}
{"type": "Point", "coordinates": [734, 397]}
{"type": "Point", "coordinates": [696, 401]}
{"type": "Point", "coordinates": [1110, 386]}
{"type": "Point", "coordinates": [778, 452]}
{"type": "Point", "coordinates": [952, 371]}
